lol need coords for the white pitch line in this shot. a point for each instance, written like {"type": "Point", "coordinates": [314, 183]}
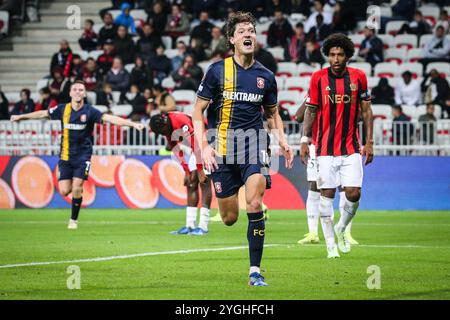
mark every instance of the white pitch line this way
{"type": "Point", "coordinates": [127, 256]}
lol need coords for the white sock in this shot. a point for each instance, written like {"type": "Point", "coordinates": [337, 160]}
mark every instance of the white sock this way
{"type": "Point", "coordinates": [204, 218]}
{"type": "Point", "coordinates": [191, 217]}
{"type": "Point", "coordinates": [312, 211]}
{"type": "Point", "coordinates": [325, 207]}
{"type": "Point", "coordinates": [347, 214]}
{"type": "Point", "coordinates": [254, 269]}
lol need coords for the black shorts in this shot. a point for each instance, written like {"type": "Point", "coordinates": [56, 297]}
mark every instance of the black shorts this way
{"type": "Point", "coordinates": [74, 169]}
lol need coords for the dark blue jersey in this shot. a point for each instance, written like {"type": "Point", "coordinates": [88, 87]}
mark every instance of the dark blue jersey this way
{"type": "Point", "coordinates": [237, 97]}
{"type": "Point", "coordinates": [77, 128]}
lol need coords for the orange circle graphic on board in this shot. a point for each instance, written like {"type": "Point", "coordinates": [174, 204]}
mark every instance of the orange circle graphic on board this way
{"type": "Point", "coordinates": [7, 199]}
{"type": "Point", "coordinates": [168, 177]}
{"type": "Point", "coordinates": [32, 182]}
{"type": "Point", "coordinates": [103, 169]}
{"type": "Point", "coordinates": [133, 183]}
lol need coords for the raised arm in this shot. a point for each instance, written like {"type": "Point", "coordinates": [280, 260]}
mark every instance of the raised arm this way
{"type": "Point", "coordinates": [367, 115]}
{"type": "Point", "coordinates": [277, 128]}
{"type": "Point", "coordinates": [42, 114]}
{"type": "Point", "coordinates": [121, 122]}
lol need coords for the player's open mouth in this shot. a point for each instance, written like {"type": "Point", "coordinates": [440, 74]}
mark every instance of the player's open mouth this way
{"type": "Point", "coordinates": [248, 44]}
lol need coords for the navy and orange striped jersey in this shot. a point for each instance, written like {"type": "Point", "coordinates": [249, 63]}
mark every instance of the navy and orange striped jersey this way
{"type": "Point", "coordinates": [237, 96]}
{"type": "Point", "coordinates": [77, 128]}
{"type": "Point", "coordinates": [338, 102]}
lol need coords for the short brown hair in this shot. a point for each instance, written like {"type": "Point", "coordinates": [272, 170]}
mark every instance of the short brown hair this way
{"type": "Point", "coordinates": [78, 82]}
{"type": "Point", "coordinates": [234, 19]}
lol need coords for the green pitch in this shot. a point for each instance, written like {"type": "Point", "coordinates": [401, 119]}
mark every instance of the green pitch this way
{"type": "Point", "coordinates": [143, 261]}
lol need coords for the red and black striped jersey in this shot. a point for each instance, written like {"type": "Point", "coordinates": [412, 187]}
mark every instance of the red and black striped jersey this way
{"type": "Point", "coordinates": [338, 100]}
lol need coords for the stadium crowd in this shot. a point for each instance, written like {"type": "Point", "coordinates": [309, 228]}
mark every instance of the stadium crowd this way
{"type": "Point", "coordinates": [142, 63]}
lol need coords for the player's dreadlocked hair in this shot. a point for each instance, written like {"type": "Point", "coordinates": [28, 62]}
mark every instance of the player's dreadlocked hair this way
{"type": "Point", "coordinates": [233, 20]}
{"type": "Point", "coordinates": [341, 41]}
{"type": "Point", "coordinates": [158, 122]}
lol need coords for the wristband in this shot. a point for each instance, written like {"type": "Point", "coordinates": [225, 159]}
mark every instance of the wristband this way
{"type": "Point", "coordinates": [304, 139]}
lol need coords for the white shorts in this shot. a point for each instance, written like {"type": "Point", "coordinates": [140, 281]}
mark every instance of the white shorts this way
{"type": "Point", "coordinates": [333, 171]}
{"type": "Point", "coordinates": [192, 163]}
{"type": "Point", "coordinates": [311, 169]}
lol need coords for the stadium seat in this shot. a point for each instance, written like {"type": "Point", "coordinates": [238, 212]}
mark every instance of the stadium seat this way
{"type": "Point", "coordinates": [442, 67]}
{"type": "Point", "coordinates": [364, 66]}
{"type": "Point", "coordinates": [410, 111]}
{"type": "Point", "coordinates": [263, 28]}
{"type": "Point", "coordinates": [116, 96]}
{"type": "Point", "coordinates": [304, 69]}
{"type": "Point", "coordinates": [262, 40]}
{"type": "Point", "coordinates": [300, 84]}
{"type": "Point", "coordinates": [204, 65]}
{"type": "Point", "coordinates": [184, 96]}
{"type": "Point", "coordinates": [414, 67]}
{"type": "Point", "coordinates": [392, 27]}
{"type": "Point", "coordinates": [167, 42]}
{"type": "Point", "coordinates": [388, 40]}
{"type": "Point", "coordinates": [357, 39]}
{"type": "Point", "coordinates": [405, 40]}
{"type": "Point", "coordinates": [385, 11]}
{"type": "Point", "coordinates": [424, 39]}
{"type": "Point", "coordinates": [4, 17]}
{"type": "Point", "coordinates": [420, 110]}
{"type": "Point", "coordinates": [397, 55]}
{"type": "Point", "coordinates": [129, 67]}
{"type": "Point", "coordinates": [414, 54]}
{"type": "Point", "coordinates": [12, 97]}
{"type": "Point", "coordinates": [188, 109]}
{"type": "Point", "coordinates": [383, 111]}
{"type": "Point", "coordinates": [289, 98]}
{"type": "Point", "coordinates": [372, 82]}
{"type": "Point", "coordinates": [95, 54]}
{"type": "Point", "coordinates": [42, 83]}
{"type": "Point", "coordinates": [115, 13]}
{"type": "Point", "coordinates": [430, 13]}
{"type": "Point", "coordinates": [278, 53]}
{"type": "Point", "coordinates": [287, 69]}
{"type": "Point", "coordinates": [139, 15]}
{"type": "Point", "coordinates": [280, 82]}
{"type": "Point", "coordinates": [168, 83]}
{"type": "Point", "coordinates": [186, 39]}
{"type": "Point", "coordinates": [386, 69]}
{"type": "Point", "coordinates": [171, 53]}
{"type": "Point", "coordinates": [83, 54]}
{"type": "Point", "coordinates": [122, 110]}
{"type": "Point", "coordinates": [101, 108]}
{"type": "Point", "coordinates": [91, 97]}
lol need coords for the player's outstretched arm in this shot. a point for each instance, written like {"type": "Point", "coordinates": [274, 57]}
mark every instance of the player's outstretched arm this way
{"type": "Point", "coordinates": [367, 115]}
{"type": "Point", "coordinates": [276, 126]}
{"type": "Point", "coordinates": [204, 153]}
{"type": "Point", "coordinates": [42, 114]}
{"type": "Point", "coordinates": [308, 121]}
{"type": "Point", "coordinates": [122, 122]}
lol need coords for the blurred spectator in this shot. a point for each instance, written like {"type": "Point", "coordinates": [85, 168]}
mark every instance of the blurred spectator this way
{"type": "Point", "coordinates": [218, 42]}
{"type": "Point", "coordinates": [437, 48]}
{"type": "Point", "coordinates": [124, 45]}
{"type": "Point", "coordinates": [177, 23]}
{"type": "Point", "coordinates": [318, 9]}
{"type": "Point", "coordinates": [118, 77]}
{"type": "Point", "coordinates": [77, 66]}
{"type": "Point", "coordinates": [137, 101]}
{"type": "Point", "coordinates": [443, 21]}
{"type": "Point", "coordinates": [265, 58]}
{"type": "Point", "coordinates": [257, 7]}
{"type": "Point", "coordinates": [157, 18]}
{"type": "Point", "coordinates": [25, 105]}
{"type": "Point", "coordinates": [407, 90]}
{"type": "Point", "coordinates": [208, 6]}
{"type": "Point", "coordinates": [63, 58]}
{"type": "Point", "coordinates": [402, 128]}
{"type": "Point", "coordinates": [116, 4]}
{"type": "Point", "coordinates": [404, 9]}
{"type": "Point", "coordinates": [427, 127]}
{"type": "Point", "coordinates": [181, 53]}
{"type": "Point", "coordinates": [45, 100]}
{"type": "Point", "coordinates": [273, 5]}
{"type": "Point", "coordinates": [188, 75]}
{"type": "Point", "coordinates": [125, 19]}
{"type": "Point", "coordinates": [418, 26]}
{"type": "Point", "coordinates": [320, 30]}
{"type": "Point", "coordinates": [160, 64]}
{"type": "Point", "coordinates": [436, 90]}
{"type": "Point", "coordinates": [312, 55]}
{"type": "Point", "coordinates": [196, 49]}
{"type": "Point", "coordinates": [162, 101]}
{"type": "Point", "coordinates": [89, 38]}
{"type": "Point", "coordinates": [57, 83]}
{"type": "Point", "coordinates": [295, 46]}
{"type": "Point", "coordinates": [148, 96]}
{"type": "Point", "coordinates": [280, 30]}
{"type": "Point", "coordinates": [104, 96]}
{"type": "Point", "coordinates": [344, 19]}
{"type": "Point", "coordinates": [203, 30]}
{"type": "Point", "coordinates": [105, 60]}
{"type": "Point", "coordinates": [141, 75]}
{"type": "Point", "coordinates": [91, 75]}
{"type": "Point", "coordinates": [4, 106]}
{"type": "Point", "coordinates": [383, 93]}
{"type": "Point", "coordinates": [371, 48]}
{"type": "Point", "coordinates": [109, 29]}
{"type": "Point", "coordinates": [146, 45]}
